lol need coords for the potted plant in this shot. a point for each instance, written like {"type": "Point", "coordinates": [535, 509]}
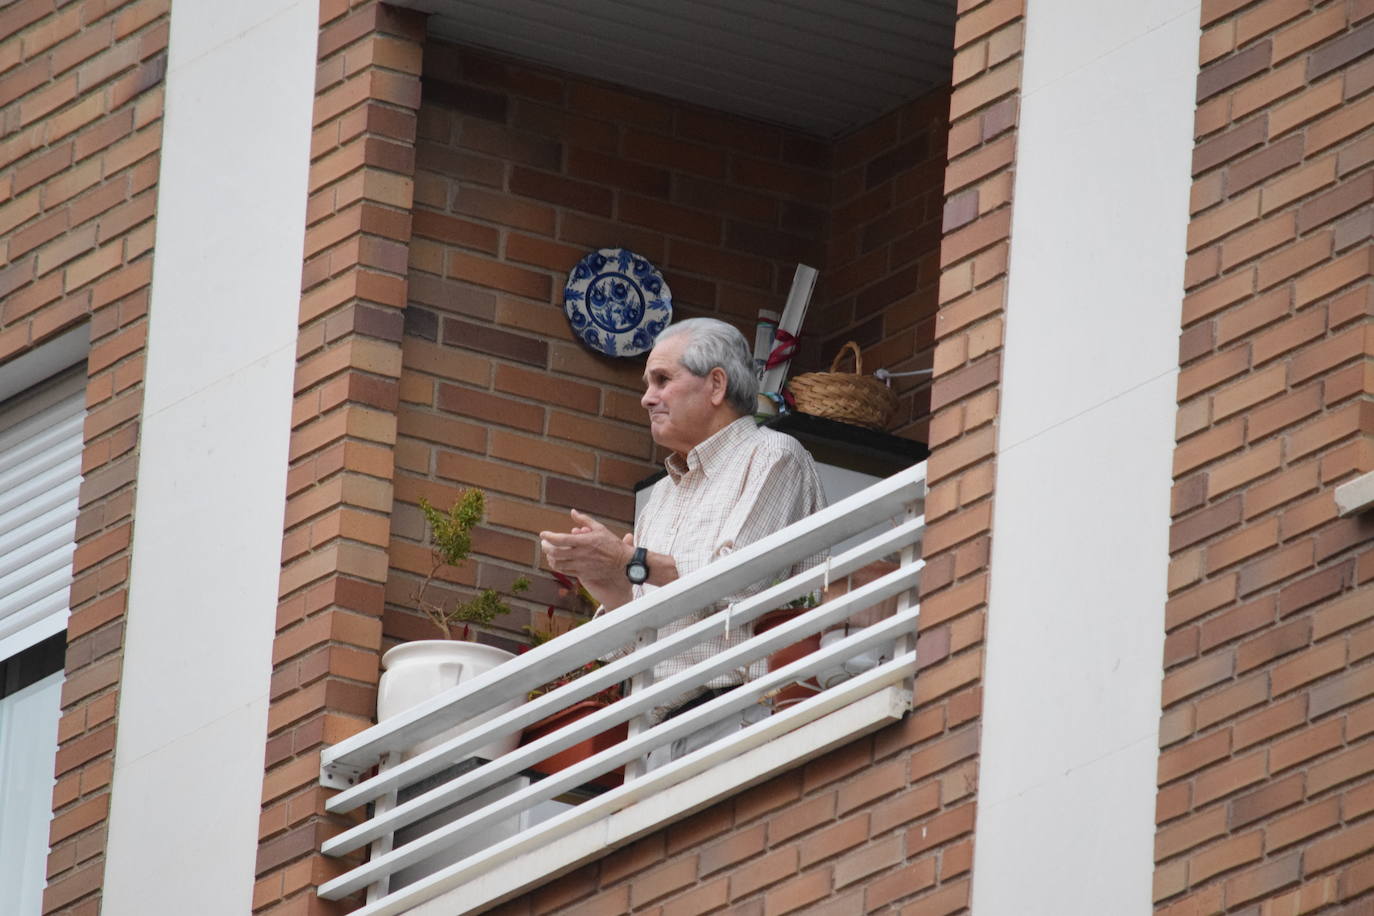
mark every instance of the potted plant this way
{"type": "Point", "coordinates": [417, 670]}
{"type": "Point", "coordinates": [582, 708]}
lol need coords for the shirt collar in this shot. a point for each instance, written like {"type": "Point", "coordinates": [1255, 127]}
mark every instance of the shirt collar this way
{"type": "Point", "coordinates": [708, 454]}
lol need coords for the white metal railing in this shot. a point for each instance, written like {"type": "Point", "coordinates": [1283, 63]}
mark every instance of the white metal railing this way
{"type": "Point", "coordinates": [891, 508]}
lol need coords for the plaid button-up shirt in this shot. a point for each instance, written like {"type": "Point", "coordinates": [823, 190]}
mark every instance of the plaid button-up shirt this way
{"type": "Point", "coordinates": [738, 486]}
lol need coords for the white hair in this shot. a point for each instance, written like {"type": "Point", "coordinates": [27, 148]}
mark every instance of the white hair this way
{"type": "Point", "coordinates": [715, 344]}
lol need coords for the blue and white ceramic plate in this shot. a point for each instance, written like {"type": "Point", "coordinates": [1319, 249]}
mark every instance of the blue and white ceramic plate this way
{"type": "Point", "coordinates": [617, 302]}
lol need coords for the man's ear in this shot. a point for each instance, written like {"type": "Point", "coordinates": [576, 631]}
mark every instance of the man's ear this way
{"type": "Point", "coordinates": [720, 383]}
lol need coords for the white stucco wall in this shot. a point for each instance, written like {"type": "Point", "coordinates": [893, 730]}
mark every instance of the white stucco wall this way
{"type": "Point", "coordinates": [1080, 528]}
{"type": "Point", "coordinates": [212, 474]}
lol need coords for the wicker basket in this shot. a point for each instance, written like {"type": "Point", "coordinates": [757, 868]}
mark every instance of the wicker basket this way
{"type": "Point", "coordinates": [857, 399]}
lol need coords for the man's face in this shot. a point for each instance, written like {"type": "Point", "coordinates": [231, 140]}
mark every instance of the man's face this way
{"type": "Point", "coordinates": [681, 406]}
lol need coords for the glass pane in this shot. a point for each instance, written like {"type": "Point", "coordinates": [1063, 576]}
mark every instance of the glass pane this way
{"type": "Point", "coordinates": [28, 747]}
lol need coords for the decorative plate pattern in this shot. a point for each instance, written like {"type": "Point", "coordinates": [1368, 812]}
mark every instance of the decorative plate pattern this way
{"type": "Point", "coordinates": [617, 302]}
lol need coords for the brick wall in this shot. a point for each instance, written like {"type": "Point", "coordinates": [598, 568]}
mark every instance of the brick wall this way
{"type": "Point", "coordinates": [339, 485]}
{"type": "Point", "coordinates": [521, 171]}
{"type": "Point", "coordinates": [880, 279]}
{"type": "Point", "coordinates": [1266, 774]}
{"type": "Point", "coordinates": [81, 108]}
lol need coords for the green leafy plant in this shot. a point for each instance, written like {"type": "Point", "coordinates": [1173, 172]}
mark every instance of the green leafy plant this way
{"type": "Point", "coordinates": [450, 543]}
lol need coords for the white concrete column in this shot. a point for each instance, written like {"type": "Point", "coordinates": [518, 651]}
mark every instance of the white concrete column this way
{"type": "Point", "coordinates": [1080, 528]}
{"type": "Point", "coordinates": [212, 470]}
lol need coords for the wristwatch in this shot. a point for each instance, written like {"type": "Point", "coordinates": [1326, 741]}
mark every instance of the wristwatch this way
{"type": "Point", "coordinates": [637, 570]}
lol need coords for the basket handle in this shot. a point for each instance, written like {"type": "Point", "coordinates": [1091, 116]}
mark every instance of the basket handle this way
{"type": "Point", "coordinates": [850, 347]}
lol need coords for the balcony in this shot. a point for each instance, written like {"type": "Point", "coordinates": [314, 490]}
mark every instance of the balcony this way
{"type": "Point", "coordinates": [452, 832]}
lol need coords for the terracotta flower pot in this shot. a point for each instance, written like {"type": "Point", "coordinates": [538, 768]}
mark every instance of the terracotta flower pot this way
{"type": "Point", "coordinates": [800, 690]}
{"type": "Point", "coordinates": [583, 749]}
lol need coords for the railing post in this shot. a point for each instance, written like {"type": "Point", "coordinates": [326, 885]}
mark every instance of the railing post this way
{"type": "Point", "coordinates": [641, 723]}
{"type": "Point", "coordinates": [906, 642]}
{"type": "Point", "coordinates": [383, 844]}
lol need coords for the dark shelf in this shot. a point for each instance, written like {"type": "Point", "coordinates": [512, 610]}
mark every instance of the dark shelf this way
{"type": "Point", "coordinates": [842, 445]}
{"type": "Point", "coordinates": [848, 446]}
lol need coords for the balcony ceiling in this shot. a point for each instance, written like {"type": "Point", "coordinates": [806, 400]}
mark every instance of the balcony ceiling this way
{"type": "Point", "coordinates": [823, 66]}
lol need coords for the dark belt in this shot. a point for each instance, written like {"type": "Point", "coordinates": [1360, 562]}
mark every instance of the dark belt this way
{"type": "Point", "coordinates": [699, 700]}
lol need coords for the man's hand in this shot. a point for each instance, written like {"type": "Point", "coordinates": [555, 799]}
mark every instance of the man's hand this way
{"type": "Point", "coordinates": [589, 551]}
{"type": "Point", "coordinates": [592, 553]}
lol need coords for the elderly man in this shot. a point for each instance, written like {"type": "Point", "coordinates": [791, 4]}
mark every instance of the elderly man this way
{"type": "Point", "coordinates": [729, 484]}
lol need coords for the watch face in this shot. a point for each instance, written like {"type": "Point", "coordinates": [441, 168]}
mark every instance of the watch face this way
{"type": "Point", "coordinates": [637, 570]}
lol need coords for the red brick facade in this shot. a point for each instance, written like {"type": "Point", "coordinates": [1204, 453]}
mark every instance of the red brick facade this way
{"type": "Point", "coordinates": [880, 282]}
{"type": "Point", "coordinates": [339, 487]}
{"type": "Point", "coordinates": [81, 104]}
{"type": "Point", "coordinates": [1266, 774]}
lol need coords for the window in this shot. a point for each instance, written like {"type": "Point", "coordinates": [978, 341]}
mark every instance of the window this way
{"type": "Point", "coordinates": [40, 479]}
{"type": "Point", "coordinates": [30, 701]}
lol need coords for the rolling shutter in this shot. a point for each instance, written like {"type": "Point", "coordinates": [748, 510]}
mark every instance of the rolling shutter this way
{"type": "Point", "coordinates": [40, 479]}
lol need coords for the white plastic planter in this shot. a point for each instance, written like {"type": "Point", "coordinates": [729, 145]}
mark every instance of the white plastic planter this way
{"type": "Point", "coordinates": [412, 673]}
{"type": "Point", "coordinates": [415, 671]}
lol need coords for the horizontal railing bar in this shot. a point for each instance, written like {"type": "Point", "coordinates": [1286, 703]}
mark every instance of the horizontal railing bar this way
{"type": "Point", "coordinates": [460, 746]}
{"type": "Point", "coordinates": [522, 758]}
{"type": "Point", "coordinates": [849, 695]}
{"type": "Point", "coordinates": [728, 703]}
{"type": "Point", "coordinates": [608, 632]}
